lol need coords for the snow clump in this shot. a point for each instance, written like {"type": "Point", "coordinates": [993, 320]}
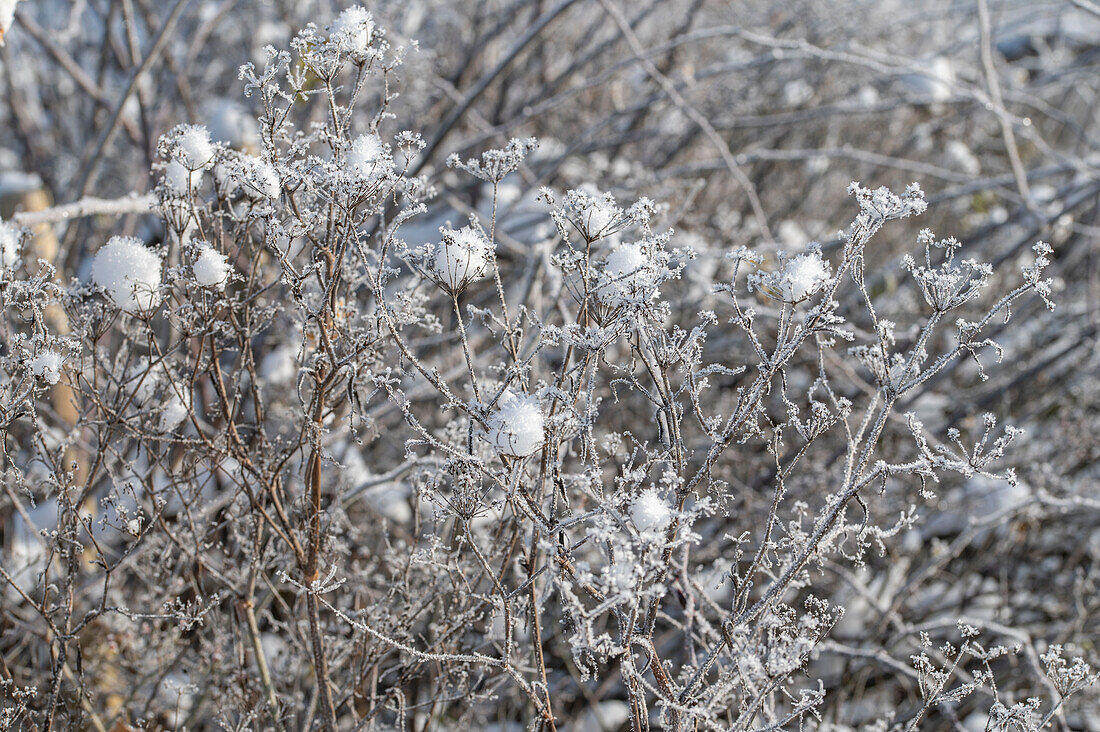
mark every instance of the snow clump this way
{"type": "Point", "coordinates": [211, 267]}
{"type": "Point", "coordinates": [352, 31]}
{"type": "Point", "coordinates": [517, 428]}
{"type": "Point", "coordinates": [649, 512]}
{"type": "Point", "coordinates": [461, 258]}
{"type": "Point", "coordinates": [129, 273]}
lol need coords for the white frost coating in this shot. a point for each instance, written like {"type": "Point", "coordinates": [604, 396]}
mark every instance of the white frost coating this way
{"type": "Point", "coordinates": [211, 267]}
{"type": "Point", "coordinates": [804, 275]}
{"type": "Point", "coordinates": [129, 272]}
{"type": "Point", "coordinates": [195, 149]}
{"type": "Point", "coordinates": [628, 274]}
{"type": "Point", "coordinates": [173, 414]}
{"type": "Point", "coordinates": [142, 381]}
{"type": "Point", "coordinates": [178, 178]}
{"type": "Point", "coordinates": [263, 179]}
{"type": "Point", "coordinates": [649, 512]}
{"type": "Point", "coordinates": [352, 31]}
{"type": "Point", "coordinates": [517, 428]}
{"type": "Point", "coordinates": [47, 366]}
{"type": "Point", "coordinates": [598, 217]}
{"type": "Point", "coordinates": [225, 178]}
{"type": "Point", "coordinates": [9, 245]}
{"type": "Point", "coordinates": [367, 157]}
{"type": "Point", "coordinates": [460, 258]}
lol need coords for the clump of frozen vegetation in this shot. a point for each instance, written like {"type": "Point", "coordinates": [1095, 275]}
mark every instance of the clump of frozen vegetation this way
{"type": "Point", "coordinates": [345, 472]}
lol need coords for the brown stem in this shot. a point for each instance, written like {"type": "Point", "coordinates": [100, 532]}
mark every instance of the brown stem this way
{"type": "Point", "coordinates": [320, 664]}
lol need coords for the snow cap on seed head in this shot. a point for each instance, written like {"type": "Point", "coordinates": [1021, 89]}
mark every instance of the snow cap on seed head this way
{"type": "Point", "coordinates": [193, 147]}
{"type": "Point", "coordinates": [130, 274]}
{"type": "Point", "coordinates": [460, 258]}
{"type": "Point", "coordinates": [47, 366]}
{"type": "Point", "coordinates": [352, 31]}
{"type": "Point", "coordinates": [367, 157]}
{"type": "Point", "coordinates": [649, 512]}
{"type": "Point", "coordinates": [517, 428]}
{"type": "Point", "coordinates": [211, 267]}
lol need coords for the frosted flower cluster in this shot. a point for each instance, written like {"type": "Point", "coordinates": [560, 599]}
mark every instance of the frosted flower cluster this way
{"type": "Point", "coordinates": [352, 31]}
{"type": "Point", "coordinates": [47, 366]}
{"type": "Point", "coordinates": [462, 257]}
{"type": "Point", "coordinates": [9, 245]}
{"type": "Point", "coordinates": [596, 215]}
{"type": "Point", "coordinates": [650, 512]}
{"type": "Point", "coordinates": [130, 274]}
{"type": "Point", "coordinates": [951, 283]}
{"type": "Point", "coordinates": [495, 164]}
{"type": "Point", "coordinates": [517, 428]}
{"type": "Point", "coordinates": [211, 267]}
{"type": "Point", "coordinates": [367, 159]}
{"type": "Point", "coordinates": [798, 278]}
{"type": "Point", "coordinates": [261, 180]}
{"type": "Point", "coordinates": [881, 204]}
{"type": "Point", "coordinates": [629, 274]}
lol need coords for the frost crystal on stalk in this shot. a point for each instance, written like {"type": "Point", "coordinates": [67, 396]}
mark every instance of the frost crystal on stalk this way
{"type": "Point", "coordinates": [516, 429]}
{"type": "Point", "coordinates": [130, 274]}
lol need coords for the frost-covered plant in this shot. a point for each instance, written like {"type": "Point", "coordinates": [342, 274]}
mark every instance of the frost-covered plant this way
{"type": "Point", "coordinates": [343, 471]}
